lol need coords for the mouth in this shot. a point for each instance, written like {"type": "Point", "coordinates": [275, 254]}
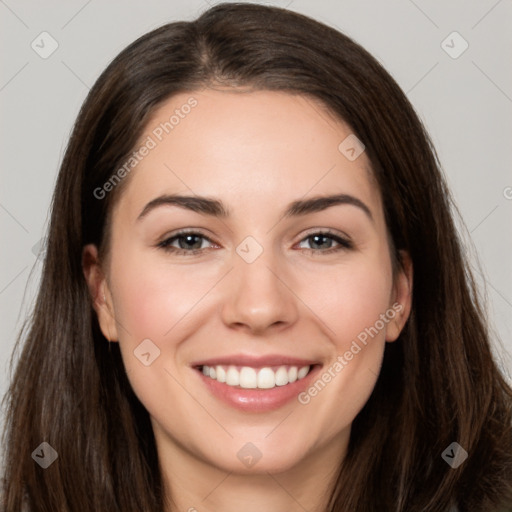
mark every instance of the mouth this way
{"type": "Point", "coordinates": [247, 377]}
{"type": "Point", "coordinates": [257, 388]}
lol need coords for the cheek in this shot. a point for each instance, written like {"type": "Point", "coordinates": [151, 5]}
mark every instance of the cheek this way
{"type": "Point", "coordinates": [349, 299]}
{"type": "Point", "coordinates": [159, 302]}
{"type": "Point", "coordinates": [352, 303]}
{"type": "Point", "coordinates": [152, 297]}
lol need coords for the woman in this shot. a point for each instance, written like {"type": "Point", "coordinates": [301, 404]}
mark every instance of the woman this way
{"type": "Point", "coordinates": [254, 295]}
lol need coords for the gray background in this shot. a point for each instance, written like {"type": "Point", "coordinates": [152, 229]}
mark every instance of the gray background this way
{"type": "Point", "coordinates": [465, 102]}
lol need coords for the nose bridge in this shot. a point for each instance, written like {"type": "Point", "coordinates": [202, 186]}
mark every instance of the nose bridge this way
{"type": "Point", "coordinates": [257, 297]}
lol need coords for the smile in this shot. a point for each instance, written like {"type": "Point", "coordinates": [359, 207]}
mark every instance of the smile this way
{"type": "Point", "coordinates": [246, 377]}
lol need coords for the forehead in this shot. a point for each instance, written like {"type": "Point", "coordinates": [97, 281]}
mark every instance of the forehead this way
{"type": "Point", "coordinates": [250, 148]}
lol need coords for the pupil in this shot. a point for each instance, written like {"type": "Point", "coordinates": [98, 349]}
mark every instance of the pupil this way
{"type": "Point", "coordinates": [189, 242]}
{"type": "Point", "coordinates": [317, 237]}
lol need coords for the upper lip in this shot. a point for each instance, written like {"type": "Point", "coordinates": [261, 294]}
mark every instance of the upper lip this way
{"type": "Point", "coordinates": [255, 361]}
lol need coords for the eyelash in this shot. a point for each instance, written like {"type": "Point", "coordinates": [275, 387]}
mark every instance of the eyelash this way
{"type": "Point", "coordinates": [343, 243]}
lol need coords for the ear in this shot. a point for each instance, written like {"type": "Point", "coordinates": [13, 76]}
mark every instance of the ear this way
{"type": "Point", "coordinates": [401, 301]}
{"type": "Point", "coordinates": [100, 292]}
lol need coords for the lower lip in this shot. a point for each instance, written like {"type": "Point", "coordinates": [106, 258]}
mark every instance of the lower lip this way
{"type": "Point", "coordinates": [258, 400]}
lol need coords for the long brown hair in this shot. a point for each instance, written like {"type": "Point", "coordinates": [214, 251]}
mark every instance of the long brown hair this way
{"type": "Point", "coordinates": [439, 383]}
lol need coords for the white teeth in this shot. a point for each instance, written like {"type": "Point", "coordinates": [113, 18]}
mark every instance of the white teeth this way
{"type": "Point", "coordinates": [248, 378]}
{"type": "Point", "coordinates": [251, 378]}
{"type": "Point", "coordinates": [282, 376]}
{"type": "Point", "coordinates": [266, 378]}
{"type": "Point", "coordinates": [232, 377]}
{"type": "Point", "coordinates": [301, 373]}
{"type": "Point", "coordinates": [221, 374]}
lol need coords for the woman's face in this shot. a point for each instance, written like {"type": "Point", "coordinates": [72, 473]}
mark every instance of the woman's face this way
{"type": "Point", "coordinates": [271, 282]}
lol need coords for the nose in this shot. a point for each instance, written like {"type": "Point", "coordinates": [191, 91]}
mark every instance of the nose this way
{"type": "Point", "coordinates": [258, 296]}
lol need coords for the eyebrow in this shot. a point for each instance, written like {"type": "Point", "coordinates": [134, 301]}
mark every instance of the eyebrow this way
{"type": "Point", "coordinates": [214, 207]}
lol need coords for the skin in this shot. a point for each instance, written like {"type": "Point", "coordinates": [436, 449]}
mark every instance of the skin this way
{"type": "Point", "coordinates": [257, 152]}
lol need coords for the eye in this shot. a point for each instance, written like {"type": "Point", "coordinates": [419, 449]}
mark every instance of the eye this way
{"type": "Point", "coordinates": [322, 242]}
{"type": "Point", "coordinates": [188, 242]}
{"type": "Point", "coordinates": [191, 243]}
